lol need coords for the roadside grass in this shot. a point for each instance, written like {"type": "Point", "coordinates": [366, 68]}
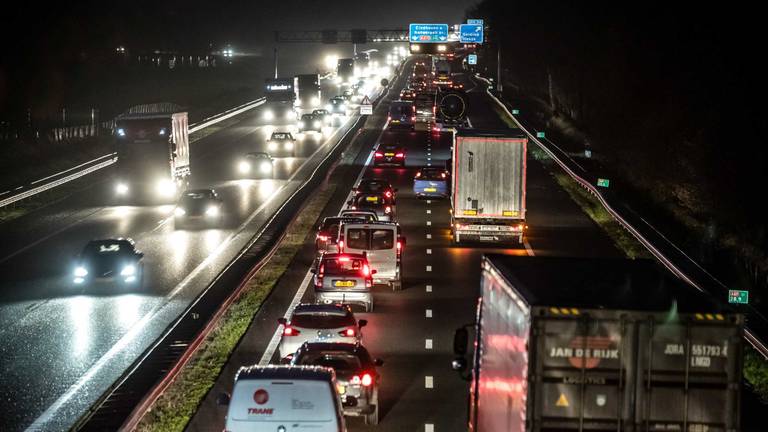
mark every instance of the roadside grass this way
{"type": "Point", "coordinates": [756, 372]}
{"type": "Point", "coordinates": [176, 406]}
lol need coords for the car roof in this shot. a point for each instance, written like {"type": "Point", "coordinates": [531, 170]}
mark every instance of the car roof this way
{"type": "Point", "coordinates": [340, 219]}
{"type": "Point", "coordinates": [330, 308]}
{"type": "Point", "coordinates": [285, 372]}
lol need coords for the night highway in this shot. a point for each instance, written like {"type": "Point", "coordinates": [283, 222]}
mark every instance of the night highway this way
{"type": "Point", "coordinates": [446, 216]}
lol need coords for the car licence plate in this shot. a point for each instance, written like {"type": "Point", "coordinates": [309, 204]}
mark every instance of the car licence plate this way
{"type": "Point", "coordinates": [389, 154]}
{"type": "Point", "coordinates": [430, 189]}
{"type": "Point", "coordinates": [341, 283]}
{"type": "Point", "coordinates": [372, 199]}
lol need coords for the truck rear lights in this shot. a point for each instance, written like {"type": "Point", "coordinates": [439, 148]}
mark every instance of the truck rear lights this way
{"type": "Point", "coordinates": [350, 332]}
{"type": "Point", "coordinates": [366, 270]}
{"type": "Point", "coordinates": [388, 194]}
{"type": "Point", "coordinates": [322, 237]}
{"type": "Point", "coordinates": [387, 209]}
{"type": "Point", "coordinates": [378, 154]}
{"type": "Point", "coordinates": [400, 155]}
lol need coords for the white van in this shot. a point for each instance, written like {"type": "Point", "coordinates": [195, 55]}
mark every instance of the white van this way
{"type": "Point", "coordinates": [382, 243]}
{"type": "Point", "coordinates": [284, 398]}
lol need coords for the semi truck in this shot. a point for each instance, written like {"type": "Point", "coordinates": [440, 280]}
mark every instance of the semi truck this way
{"type": "Point", "coordinates": [345, 71]}
{"type": "Point", "coordinates": [279, 99]}
{"type": "Point", "coordinates": [598, 344]}
{"type": "Point", "coordinates": [152, 145]}
{"type": "Point", "coordinates": [488, 185]}
{"type": "Point", "coordinates": [306, 88]}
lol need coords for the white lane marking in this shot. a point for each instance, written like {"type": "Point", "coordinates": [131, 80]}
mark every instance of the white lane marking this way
{"type": "Point", "coordinates": [429, 201]}
{"type": "Point", "coordinates": [429, 163]}
{"type": "Point", "coordinates": [469, 123]}
{"type": "Point", "coordinates": [429, 251]}
{"type": "Point", "coordinates": [429, 427]}
{"type": "Point", "coordinates": [429, 382]}
{"type": "Point", "coordinates": [528, 248]}
{"type": "Point", "coordinates": [429, 158]}
{"type": "Point", "coordinates": [429, 211]}
{"type": "Point", "coordinates": [428, 313]}
{"type": "Point", "coordinates": [49, 413]}
{"type": "Point", "coordinates": [429, 223]}
{"type": "Point", "coordinates": [429, 268]}
{"type": "Point", "coordinates": [429, 288]}
{"type": "Point", "coordinates": [429, 236]}
{"type": "Point", "coordinates": [428, 344]}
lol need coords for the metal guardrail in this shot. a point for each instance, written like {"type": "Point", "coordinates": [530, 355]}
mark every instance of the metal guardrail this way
{"type": "Point", "coordinates": [21, 192]}
{"type": "Point", "coordinates": [673, 265]}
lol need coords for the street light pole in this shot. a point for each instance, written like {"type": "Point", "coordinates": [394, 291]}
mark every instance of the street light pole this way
{"type": "Point", "coordinates": [275, 62]}
{"type": "Point", "coordinates": [499, 87]}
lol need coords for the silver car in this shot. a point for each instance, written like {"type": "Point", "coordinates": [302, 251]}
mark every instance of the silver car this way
{"type": "Point", "coordinates": [344, 278]}
{"type": "Point", "coordinates": [319, 323]}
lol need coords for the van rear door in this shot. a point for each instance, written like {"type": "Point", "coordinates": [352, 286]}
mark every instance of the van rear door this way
{"type": "Point", "coordinates": [379, 243]}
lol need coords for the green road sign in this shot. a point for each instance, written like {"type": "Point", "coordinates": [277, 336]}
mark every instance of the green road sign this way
{"type": "Point", "coordinates": [515, 112]}
{"type": "Point", "coordinates": [603, 182]}
{"type": "Point", "coordinates": [539, 134]}
{"type": "Point", "coordinates": [738, 296]}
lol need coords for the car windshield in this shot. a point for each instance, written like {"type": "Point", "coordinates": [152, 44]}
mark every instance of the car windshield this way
{"type": "Point", "coordinates": [308, 117]}
{"type": "Point", "coordinates": [257, 156]}
{"type": "Point", "coordinates": [322, 320]}
{"type": "Point", "coordinates": [373, 186]}
{"type": "Point", "coordinates": [344, 266]}
{"type": "Point", "coordinates": [281, 136]}
{"type": "Point", "coordinates": [338, 361]}
{"type": "Point", "coordinates": [107, 249]}
{"type": "Point", "coordinates": [432, 174]}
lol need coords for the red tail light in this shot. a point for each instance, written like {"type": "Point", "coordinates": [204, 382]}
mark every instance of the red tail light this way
{"type": "Point", "coordinates": [418, 174]}
{"type": "Point", "coordinates": [350, 332]}
{"type": "Point", "coordinates": [388, 194]}
{"type": "Point", "coordinates": [367, 380]}
{"type": "Point", "coordinates": [321, 270]}
{"type": "Point", "coordinates": [341, 245]}
{"type": "Point", "coordinates": [366, 270]}
{"type": "Point", "coordinates": [290, 331]}
{"type": "Point", "coordinates": [413, 118]}
{"type": "Point", "coordinates": [322, 237]}
{"type": "Point", "coordinates": [378, 154]}
{"type": "Point", "coordinates": [442, 175]}
{"type": "Point", "coordinates": [400, 155]}
{"type": "Point", "coordinates": [399, 246]}
{"type": "Point", "coordinates": [387, 209]}
{"type": "Point", "coordinates": [389, 118]}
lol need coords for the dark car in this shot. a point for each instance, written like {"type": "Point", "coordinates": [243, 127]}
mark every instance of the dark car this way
{"type": "Point", "coordinates": [328, 232]}
{"type": "Point", "coordinates": [357, 379]}
{"type": "Point", "coordinates": [376, 185]}
{"type": "Point", "coordinates": [256, 165]}
{"type": "Point", "coordinates": [310, 122]}
{"type": "Point", "coordinates": [201, 206]}
{"type": "Point", "coordinates": [323, 115]}
{"type": "Point", "coordinates": [337, 106]}
{"type": "Point", "coordinates": [383, 206]}
{"type": "Point", "coordinates": [111, 261]}
{"type": "Point", "coordinates": [282, 143]}
{"type": "Point", "coordinates": [431, 182]}
{"type": "Point", "coordinates": [390, 155]}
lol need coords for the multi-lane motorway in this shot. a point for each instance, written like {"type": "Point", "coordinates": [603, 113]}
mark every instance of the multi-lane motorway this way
{"type": "Point", "coordinates": [63, 345]}
{"type": "Point", "coordinates": [412, 330]}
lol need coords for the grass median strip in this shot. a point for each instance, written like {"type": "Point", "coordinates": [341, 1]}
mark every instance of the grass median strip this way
{"type": "Point", "coordinates": [176, 406]}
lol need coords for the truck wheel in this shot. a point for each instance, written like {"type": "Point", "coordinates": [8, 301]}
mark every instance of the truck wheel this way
{"type": "Point", "coordinates": [373, 417]}
{"type": "Point", "coordinates": [369, 307]}
{"type": "Point", "coordinates": [396, 285]}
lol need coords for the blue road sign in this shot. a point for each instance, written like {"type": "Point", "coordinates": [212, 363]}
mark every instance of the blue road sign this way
{"type": "Point", "coordinates": [433, 33]}
{"type": "Point", "coordinates": [471, 33]}
{"type": "Point", "coordinates": [475, 21]}
{"type": "Point", "coordinates": [472, 59]}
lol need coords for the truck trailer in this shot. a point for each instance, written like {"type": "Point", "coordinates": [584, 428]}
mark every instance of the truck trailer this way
{"type": "Point", "coordinates": [599, 344]}
{"type": "Point", "coordinates": [345, 71]}
{"type": "Point", "coordinates": [307, 92]}
{"type": "Point", "coordinates": [152, 145]}
{"type": "Point", "coordinates": [489, 172]}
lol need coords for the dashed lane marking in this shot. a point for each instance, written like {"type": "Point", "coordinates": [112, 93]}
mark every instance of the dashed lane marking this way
{"type": "Point", "coordinates": [429, 251]}
{"type": "Point", "coordinates": [429, 288]}
{"type": "Point", "coordinates": [429, 201]}
{"type": "Point", "coordinates": [528, 248]}
{"type": "Point", "coordinates": [429, 382]}
{"type": "Point", "coordinates": [428, 313]}
{"type": "Point", "coordinates": [429, 268]}
{"type": "Point", "coordinates": [429, 236]}
{"type": "Point", "coordinates": [428, 344]}
{"type": "Point", "coordinates": [429, 427]}
{"type": "Point", "coordinates": [429, 223]}
{"type": "Point", "coordinates": [429, 211]}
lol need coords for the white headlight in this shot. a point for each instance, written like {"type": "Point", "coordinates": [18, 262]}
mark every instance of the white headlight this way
{"type": "Point", "coordinates": [302, 124]}
{"type": "Point", "coordinates": [162, 132]}
{"type": "Point", "coordinates": [128, 270]}
{"type": "Point", "coordinates": [329, 107]}
{"type": "Point", "coordinates": [269, 115]}
{"type": "Point", "coordinates": [290, 115]}
{"type": "Point", "coordinates": [288, 145]}
{"type": "Point", "coordinates": [212, 211]}
{"type": "Point", "coordinates": [80, 271]}
{"type": "Point", "coordinates": [266, 167]}
{"type": "Point", "coordinates": [179, 211]}
{"type": "Point", "coordinates": [315, 101]}
{"type": "Point", "coordinates": [244, 167]}
{"type": "Point", "coordinates": [166, 188]}
{"type": "Point", "coordinates": [120, 132]}
{"type": "Point", "coordinates": [121, 189]}
{"type": "Point", "coordinates": [271, 145]}
{"type": "Point", "coordinates": [316, 124]}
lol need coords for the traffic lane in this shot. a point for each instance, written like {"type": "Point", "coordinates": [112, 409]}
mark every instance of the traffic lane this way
{"type": "Point", "coordinates": [556, 224]}
{"type": "Point", "coordinates": [182, 251]}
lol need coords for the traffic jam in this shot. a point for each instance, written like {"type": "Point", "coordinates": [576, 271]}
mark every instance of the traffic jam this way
{"type": "Point", "coordinates": [357, 252]}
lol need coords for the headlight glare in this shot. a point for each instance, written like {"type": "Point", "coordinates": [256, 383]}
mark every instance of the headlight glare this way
{"type": "Point", "coordinates": [128, 270]}
{"type": "Point", "coordinates": [81, 271]}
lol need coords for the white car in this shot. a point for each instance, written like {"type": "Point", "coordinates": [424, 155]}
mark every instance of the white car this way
{"type": "Point", "coordinates": [284, 398]}
{"type": "Point", "coordinates": [382, 243]}
{"type": "Point", "coordinates": [319, 323]}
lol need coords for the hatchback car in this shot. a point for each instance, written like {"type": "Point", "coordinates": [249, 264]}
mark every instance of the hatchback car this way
{"type": "Point", "coordinates": [310, 123]}
{"type": "Point", "coordinates": [198, 206]}
{"type": "Point", "coordinates": [402, 114]}
{"type": "Point", "coordinates": [328, 232]}
{"type": "Point", "coordinates": [375, 185]}
{"type": "Point", "coordinates": [109, 261]}
{"type": "Point", "coordinates": [338, 107]}
{"type": "Point", "coordinates": [256, 165]}
{"type": "Point", "coordinates": [389, 155]}
{"type": "Point", "coordinates": [357, 379]}
{"type": "Point", "coordinates": [431, 182]}
{"type": "Point", "coordinates": [344, 278]}
{"type": "Point", "coordinates": [383, 206]}
{"type": "Point", "coordinates": [282, 143]}
{"type": "Point", "coordinates": [319, 323]}
{"type": "Point", "coordinates": [382, 244]}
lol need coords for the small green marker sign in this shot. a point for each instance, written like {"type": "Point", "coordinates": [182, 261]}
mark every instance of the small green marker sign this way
{"type": "Point", "coordinates": [515, 112]}
{"type": "Point", "coordinates": [603, 182]}
{"type": "Point", "coordinates": [738, 296]}
{"type": "Point", "coordinates": [539, 134]}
